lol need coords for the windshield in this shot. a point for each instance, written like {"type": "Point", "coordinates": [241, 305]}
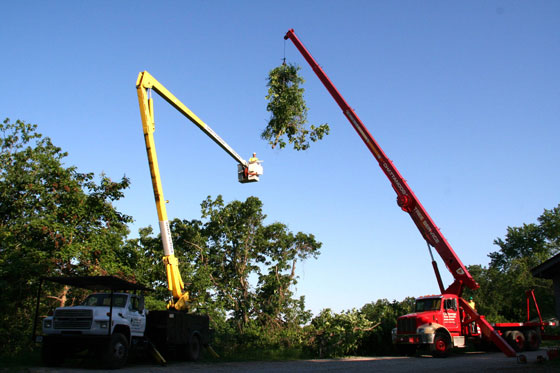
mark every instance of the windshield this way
{"type": "Point", "coordinates": [99, 300]}
{"type": "Point", "coordinates": [429, 304]}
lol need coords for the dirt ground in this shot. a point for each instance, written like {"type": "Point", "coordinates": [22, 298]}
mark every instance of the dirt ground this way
{"type": "Point", "coordinates": [469, 362]}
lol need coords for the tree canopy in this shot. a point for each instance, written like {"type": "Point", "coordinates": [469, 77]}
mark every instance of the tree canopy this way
{"type": "Point", "coordinates": [223, 252]}
{"type": "Point", "coordinates": [288, 110]}
{"type": "Point", "coordinates": [54, 220]}
{"type": "Point", "coordinates": [503, 283]}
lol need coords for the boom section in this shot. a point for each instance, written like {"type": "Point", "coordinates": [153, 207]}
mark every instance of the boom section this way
{"type": "Point", "coordinates": [147, 81]}
{"type": "Point", "coordinates": [144, 84]}
{"type": "Point", "coordinates": [406, 198]}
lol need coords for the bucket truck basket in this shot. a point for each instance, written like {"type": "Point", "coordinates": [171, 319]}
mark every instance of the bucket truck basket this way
{"type": "Point", "coordinates": [249, 173]}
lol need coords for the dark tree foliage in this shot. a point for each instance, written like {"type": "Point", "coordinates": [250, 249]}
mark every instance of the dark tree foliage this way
{"type": "Point", "coordinates": [534, 242]}
{"type": "Point", "coordinates": [54, 220]}
{"type": "Point", "coordinates": [383, 314]}
{"type": "Point", "coordinates": [288, 111]}
{"type": "Point", "coordinates": [501, 296]}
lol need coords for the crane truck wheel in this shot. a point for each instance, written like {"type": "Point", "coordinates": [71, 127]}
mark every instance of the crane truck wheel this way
{"type": "Point", "coordinates": [532, 340]}
{"type": "Point", "coordinates": [441, 345]}
{"type": "Point", "coordinates": [194, 348]}
{"type": "Point", "coordinates": [516, 339]}
{"type": "Point", "coordinates": [116, 354]}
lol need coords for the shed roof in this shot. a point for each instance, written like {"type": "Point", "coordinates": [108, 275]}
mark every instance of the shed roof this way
{"type": "Point", "coordinates": [98, 283]}
{"type": "Point", "coordinates": [549, 269]}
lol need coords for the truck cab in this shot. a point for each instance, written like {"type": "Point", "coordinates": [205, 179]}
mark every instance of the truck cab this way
{"type": "Point", "coordinates": [108, 323]}
{"type": "Point", "coordinates": [436, 323]}
{"type": "Point", "coordinates": [124, 313]}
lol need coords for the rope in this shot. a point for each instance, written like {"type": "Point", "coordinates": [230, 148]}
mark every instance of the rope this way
{"type": "Point", "coordinates": [284, 59]}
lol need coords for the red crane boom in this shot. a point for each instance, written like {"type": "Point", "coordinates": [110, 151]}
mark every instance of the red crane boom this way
{"type": "Point", "coordinates": [406, 199]}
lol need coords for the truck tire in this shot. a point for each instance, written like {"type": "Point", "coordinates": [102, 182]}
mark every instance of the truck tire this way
{"type": "Point", "coordinates": [516, 340]}
{"type": "Point", "coordinates": [51, 354]}
{"type": "Point", "coordinates": [532, 340]}
{"type": "Point", "coordinates": [116, 353]}
{"type": "Point", "coordinates": [194, 348]}
{"type": "Point", "coordinates": [441, 345]}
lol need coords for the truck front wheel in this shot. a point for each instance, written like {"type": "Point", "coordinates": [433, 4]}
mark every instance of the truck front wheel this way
{"type": "Point", "coordinates": [116, 353]}
{"type": "Point", "coordinates": [442, 345]}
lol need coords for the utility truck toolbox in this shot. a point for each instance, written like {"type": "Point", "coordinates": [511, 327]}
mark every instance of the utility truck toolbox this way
{"type": "Point", "coordinates": [178, 334]}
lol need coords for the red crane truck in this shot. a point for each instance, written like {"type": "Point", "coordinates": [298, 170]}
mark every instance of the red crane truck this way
{"type": "Point", "coordinates": [443, 321]}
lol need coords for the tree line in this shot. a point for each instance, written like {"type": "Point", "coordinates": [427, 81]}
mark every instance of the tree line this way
{"type": "Point", "coordinates": [58, 221]}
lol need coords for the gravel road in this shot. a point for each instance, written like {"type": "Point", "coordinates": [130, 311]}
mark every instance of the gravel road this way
{"type": "Point", "coordinates": [469, 362]}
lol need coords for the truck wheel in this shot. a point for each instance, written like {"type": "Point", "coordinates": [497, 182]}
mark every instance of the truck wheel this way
{"type": "Point", "coordinates": [441, 345]}
{"type": "Point", "coordinates": [516, 339]}
{"type": "Point", "coordinates": [194, 348]}
{"type": "Point", "coordinates": [51, 354]}
{"type": "Point", "coordinates": [116, 353]}
{"type": "Point", "coordinates": [532, 340]}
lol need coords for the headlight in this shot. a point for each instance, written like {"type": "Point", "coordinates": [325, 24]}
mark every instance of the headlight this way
{"type": "Point", "coordinates": [103, 324]}
{"type": "Point", "coordinates": [394, 331]}
{"type": "Point", "coordinates": [420, 330]}
{"type": "Point", "coordinates": [47, 323]}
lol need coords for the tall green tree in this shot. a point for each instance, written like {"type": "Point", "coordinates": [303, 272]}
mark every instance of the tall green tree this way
{"type": "Point", "coordinates": [54, 220]}
{"type": "Point", "coordinates": [237, 268]}
{"type": "Point", "coordinates": [241, 245]}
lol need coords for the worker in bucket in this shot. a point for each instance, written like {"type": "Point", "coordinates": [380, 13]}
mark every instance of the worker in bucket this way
{"type": "Point", "coordinates": [254, 158]}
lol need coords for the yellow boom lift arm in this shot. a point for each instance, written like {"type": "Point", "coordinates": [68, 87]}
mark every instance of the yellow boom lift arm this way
{"type": "Point", "coordinates": [247, 172]}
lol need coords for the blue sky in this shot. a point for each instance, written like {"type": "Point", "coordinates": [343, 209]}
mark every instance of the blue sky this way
{"type": "Point", "coordinates": [462, 96]}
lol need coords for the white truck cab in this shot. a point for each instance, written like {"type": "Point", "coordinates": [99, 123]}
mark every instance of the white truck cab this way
{"type": "Point", "coordinates": [93, 316]}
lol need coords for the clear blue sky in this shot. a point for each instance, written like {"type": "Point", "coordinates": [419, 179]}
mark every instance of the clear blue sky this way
{"type": "Point", "coordinates": [463, 97]}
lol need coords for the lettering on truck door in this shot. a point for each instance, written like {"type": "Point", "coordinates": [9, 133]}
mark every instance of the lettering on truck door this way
{"type": "Point", "coordinates": [451, 314]}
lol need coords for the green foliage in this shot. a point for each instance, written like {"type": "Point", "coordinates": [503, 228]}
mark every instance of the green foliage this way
{"type": "Point", "coordinates": [54, 220]}
{"type": "Point", "coordinates": [288, 111]}
{"type": "Point", "coordinates": [535, 242]}
{"type": "Point", "coordinates": [501, 296]}
{"type": "Point", "coordinates": [383, 314]}
{"type": "Point", "coordinates": [238, 269]}
{"type": "Point", "coordinates": [335, 335]}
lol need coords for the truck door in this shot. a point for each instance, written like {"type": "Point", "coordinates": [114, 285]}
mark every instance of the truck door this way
{"type": "Point", "coordinates": [137, 316]}
{"type": "Point", "coordinates": [451, 315]}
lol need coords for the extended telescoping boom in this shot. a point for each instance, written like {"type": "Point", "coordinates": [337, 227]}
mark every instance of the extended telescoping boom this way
{"type": "Point", "coordinates": [247, 172]}
{"type": "Point", "coordinates": [408, 202]}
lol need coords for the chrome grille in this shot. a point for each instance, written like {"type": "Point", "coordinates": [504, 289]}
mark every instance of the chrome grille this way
{"type": "Point", "coordinates": [73, 319]}
{"type": "Point", "coordinates": [406, 325]}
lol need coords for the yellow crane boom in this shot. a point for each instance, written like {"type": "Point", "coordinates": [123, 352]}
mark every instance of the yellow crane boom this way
{"type": "Point", "coordinates": [247, 172]}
